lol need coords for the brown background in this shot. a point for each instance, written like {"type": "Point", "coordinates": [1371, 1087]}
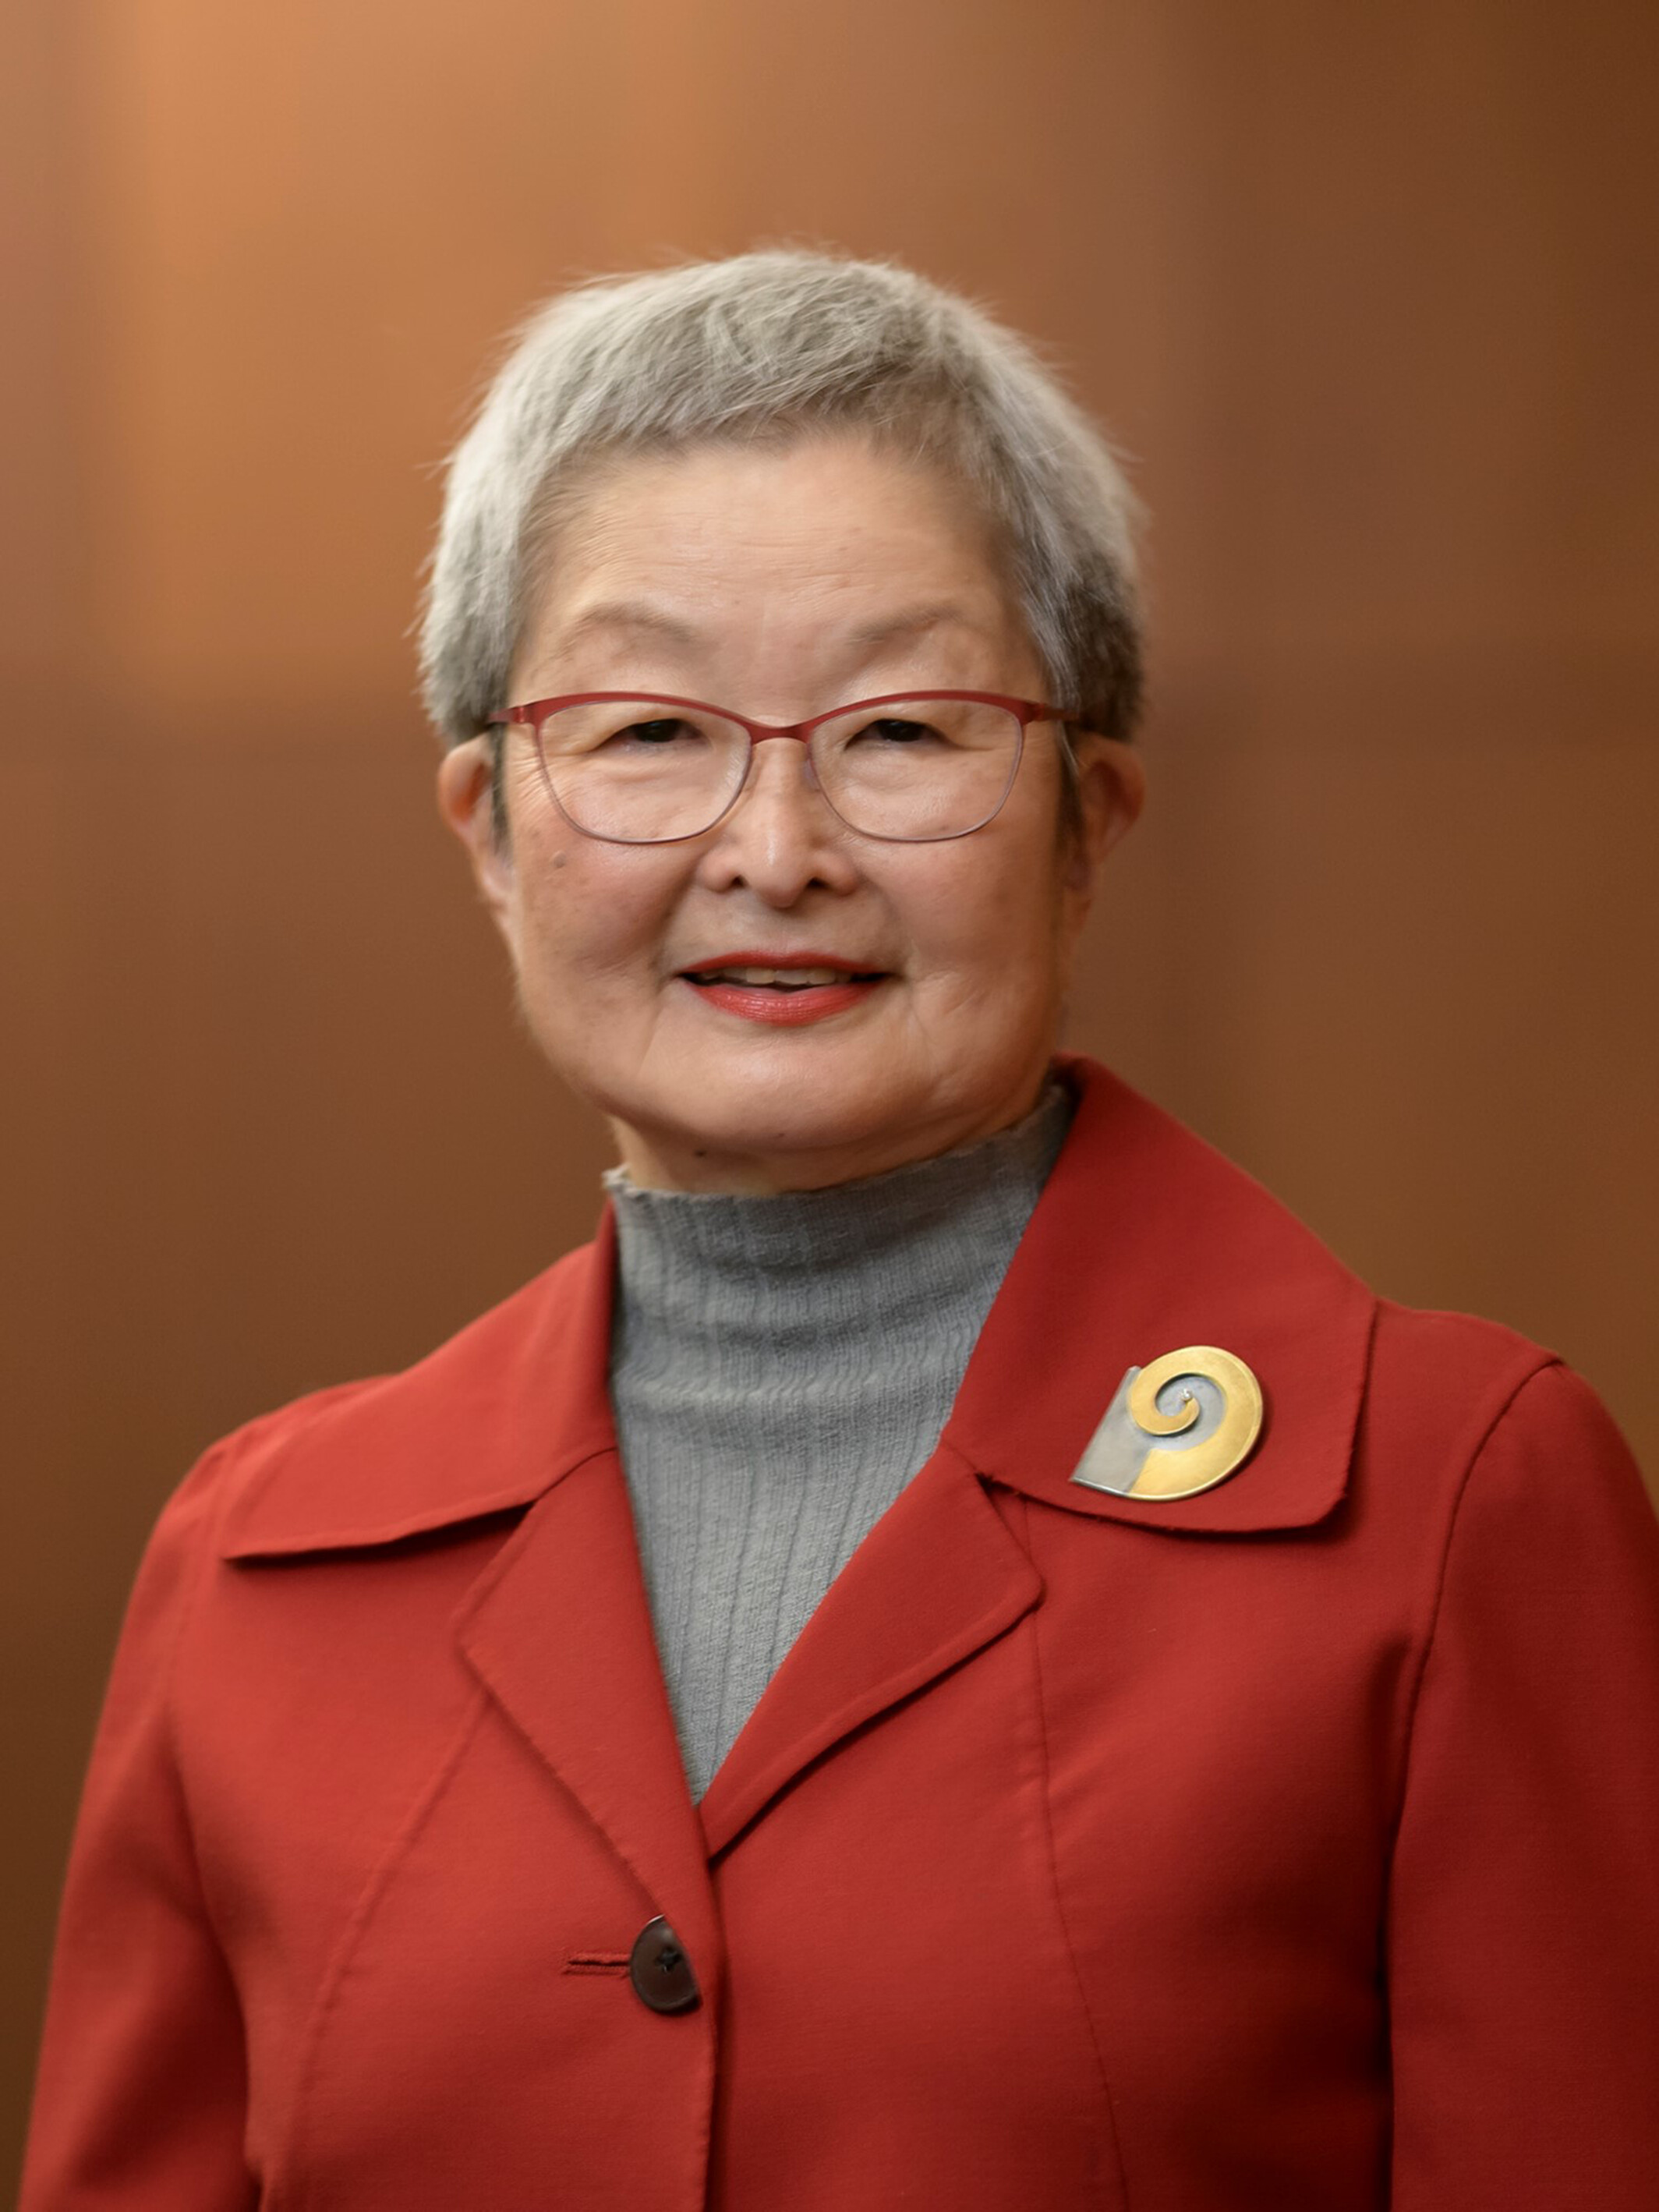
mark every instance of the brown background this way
{"type": "Point", "coordinates": [1367, 292]}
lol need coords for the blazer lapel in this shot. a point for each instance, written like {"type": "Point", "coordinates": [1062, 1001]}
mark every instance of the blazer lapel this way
{"type": "Point", "coordinates": [938, 1578]}
{"type": "Point", "coordinates": [559, 1631]}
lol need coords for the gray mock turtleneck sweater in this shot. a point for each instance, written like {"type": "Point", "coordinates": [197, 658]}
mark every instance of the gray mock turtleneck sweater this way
{"type": "Point", "coordinates": [780, 1367]}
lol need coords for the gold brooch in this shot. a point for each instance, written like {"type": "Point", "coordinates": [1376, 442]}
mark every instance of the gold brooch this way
{"type": "Point", "coordinates": [1179, 1425]}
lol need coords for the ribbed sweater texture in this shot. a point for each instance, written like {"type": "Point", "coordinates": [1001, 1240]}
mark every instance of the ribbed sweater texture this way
{"type": "Point", "coordinates": [781, 1368]}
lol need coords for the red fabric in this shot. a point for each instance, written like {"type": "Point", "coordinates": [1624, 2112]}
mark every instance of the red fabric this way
{"type": "Point", "coordinates": [1292, 1846]}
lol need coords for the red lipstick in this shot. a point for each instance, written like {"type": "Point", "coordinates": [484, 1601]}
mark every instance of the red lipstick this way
{"type": "Point", "coordinates": [837, 986]}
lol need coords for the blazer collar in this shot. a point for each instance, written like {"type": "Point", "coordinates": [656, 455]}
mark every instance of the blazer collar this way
{"type": "Point", "coordinates": [1145, 1240]}
{"type": "Point", "coordinates": [486, 1424]}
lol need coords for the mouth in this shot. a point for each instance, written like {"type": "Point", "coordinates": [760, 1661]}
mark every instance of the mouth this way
{"type": "Point", "coordinates": [753, 977]}
{"type": "Point", "coordinates": [786, 990]}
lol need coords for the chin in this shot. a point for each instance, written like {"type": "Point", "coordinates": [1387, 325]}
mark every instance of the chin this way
{"type": "Point", "coordinates": [758, 1135]}
{"type": "Point", "coordinates": [755, 1140]}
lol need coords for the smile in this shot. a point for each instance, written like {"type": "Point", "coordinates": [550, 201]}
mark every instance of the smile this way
{"type": "Point", "coordinates": [778, 979]}
{"type": "Point", "coordinates": [787, 992]}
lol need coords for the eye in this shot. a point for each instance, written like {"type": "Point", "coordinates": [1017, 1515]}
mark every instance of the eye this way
{"type": "Point", "coordinates": [655, 735]}
{"type": "Point", "coordinates": [892, 730]}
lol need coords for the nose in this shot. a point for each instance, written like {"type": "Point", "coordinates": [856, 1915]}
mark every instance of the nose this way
{"type": "Point", "coordinates": [782, 836]}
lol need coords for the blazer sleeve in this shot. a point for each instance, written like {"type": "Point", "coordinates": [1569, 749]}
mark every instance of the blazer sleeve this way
{"type": "Point", "coordinates": [140, 2098]}
{"type": "Point", "coordinates": [1523, 1927]}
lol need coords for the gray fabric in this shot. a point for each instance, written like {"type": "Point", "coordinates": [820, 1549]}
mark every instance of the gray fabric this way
{"type": "Point", "coordinates": [780, 1367]}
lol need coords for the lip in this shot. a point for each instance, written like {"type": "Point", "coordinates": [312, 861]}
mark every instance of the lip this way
{"type": "Point", "coordinates": [785, 1009]}
{"type": "Point", "coordinates": [757, 1002]}
{"type": "Point", "coordinates": [758, 959]}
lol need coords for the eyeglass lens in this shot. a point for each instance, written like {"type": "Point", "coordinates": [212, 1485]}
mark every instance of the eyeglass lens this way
{"type": "Point", "coordinates": [638, 771]}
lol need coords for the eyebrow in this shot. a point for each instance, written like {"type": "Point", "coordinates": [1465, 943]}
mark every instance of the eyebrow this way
{"type": "Point", "coordinates": [627, 614]}
{"type": "Point", "coordinates": [640, 616]}
{"type": "Point", "coordinates": [913, 621]}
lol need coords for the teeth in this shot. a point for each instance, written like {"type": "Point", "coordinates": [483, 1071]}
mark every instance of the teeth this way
{"type": "Point", "coordinates": [792, 978]}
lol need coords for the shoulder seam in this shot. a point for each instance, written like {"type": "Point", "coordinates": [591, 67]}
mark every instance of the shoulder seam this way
{"type": "Point", "coordinates": [1546, 1362]}
{"type": "Point", "coordinates": [224, 1451]}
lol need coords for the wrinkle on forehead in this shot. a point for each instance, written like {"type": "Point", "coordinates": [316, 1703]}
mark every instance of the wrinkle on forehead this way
{"type": "Point", "coordinates": [630, 618]}
{"type": "Point", "coordinates": [616, 584]}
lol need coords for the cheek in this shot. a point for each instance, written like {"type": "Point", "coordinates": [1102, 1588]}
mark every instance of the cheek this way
{"type": "Point", "coordinates": [993, 913]}
{"type": "Point", "coordinates": [583, 922]}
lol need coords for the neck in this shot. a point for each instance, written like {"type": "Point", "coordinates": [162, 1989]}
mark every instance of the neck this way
{"type": "Point", "coordinates": [664, 1161]}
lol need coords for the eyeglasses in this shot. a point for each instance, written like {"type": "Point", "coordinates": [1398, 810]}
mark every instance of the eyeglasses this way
{"type": "Point", "coordinates": [644, 768]}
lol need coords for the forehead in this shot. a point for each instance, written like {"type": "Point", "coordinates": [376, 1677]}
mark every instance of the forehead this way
{"type": "Point", "coordinates": [827, 541]}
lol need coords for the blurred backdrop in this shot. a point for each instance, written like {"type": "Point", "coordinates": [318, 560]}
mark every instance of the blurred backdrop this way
{"type": "Point", "coordinates": [1368, 294]}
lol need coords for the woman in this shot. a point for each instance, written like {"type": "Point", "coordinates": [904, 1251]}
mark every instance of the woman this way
{"type": "Point", "coordinates": [956, 1657]}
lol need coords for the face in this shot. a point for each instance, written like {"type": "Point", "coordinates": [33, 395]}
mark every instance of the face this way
{"type": "Point", "coordinates": [780, 583]}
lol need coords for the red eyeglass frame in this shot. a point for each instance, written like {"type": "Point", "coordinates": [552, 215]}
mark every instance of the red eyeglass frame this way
{"type": "Point", "coordinates": [534, 712]}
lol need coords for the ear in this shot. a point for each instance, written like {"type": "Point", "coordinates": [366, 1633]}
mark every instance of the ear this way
{"type": "Point", "coordinates": [1111, 791]}
{"type": "Point", "coordinates": [466, 800]}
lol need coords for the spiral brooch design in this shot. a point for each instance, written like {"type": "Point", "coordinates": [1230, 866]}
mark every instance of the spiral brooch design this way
{"type": "Point", "coordinates": [1179, 1425]}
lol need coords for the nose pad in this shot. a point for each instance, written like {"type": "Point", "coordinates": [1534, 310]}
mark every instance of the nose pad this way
{"type": "Point", "coordinates": [758, 775]}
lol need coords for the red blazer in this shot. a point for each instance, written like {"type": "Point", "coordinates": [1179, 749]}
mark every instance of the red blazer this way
{"type": "Point", "coordinates": [1290, 1846]}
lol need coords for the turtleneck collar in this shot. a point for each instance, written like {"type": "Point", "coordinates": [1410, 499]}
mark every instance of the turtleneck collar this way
{"type": "Point", "coordinates": [920, 1232]}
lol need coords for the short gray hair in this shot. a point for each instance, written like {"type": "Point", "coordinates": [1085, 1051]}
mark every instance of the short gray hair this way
{"type": "Point", "coordinates": [780, 344]}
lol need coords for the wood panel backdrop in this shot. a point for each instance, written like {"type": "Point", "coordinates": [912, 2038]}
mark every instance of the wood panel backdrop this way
{"type": "Point", "coordinates": [1368, 296]}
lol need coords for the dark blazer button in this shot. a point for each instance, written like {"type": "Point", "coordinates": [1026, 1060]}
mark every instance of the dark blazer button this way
{"type": "Point", "coordinates": [660, 1971]}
